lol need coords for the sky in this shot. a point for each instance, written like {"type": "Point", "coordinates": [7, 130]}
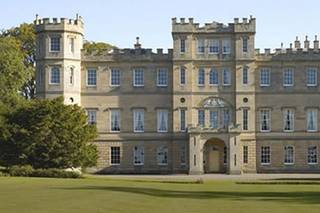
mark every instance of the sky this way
{"type": "Point", "coordinates": [119, 22]}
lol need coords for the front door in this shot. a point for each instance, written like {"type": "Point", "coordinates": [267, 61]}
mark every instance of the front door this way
{"type": "Point", "coordinates": [214, 164]}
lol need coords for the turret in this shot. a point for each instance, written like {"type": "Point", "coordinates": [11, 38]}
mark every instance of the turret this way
{"type": "Point", "coordinates": [58, 58]}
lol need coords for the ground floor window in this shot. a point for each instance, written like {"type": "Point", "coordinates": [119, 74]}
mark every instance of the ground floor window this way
{"type": "Point", "coordinates": [265, 155]}
{"type": "Point", "coordinates": [183, 155]}
{"type": "Point", "coordinates": [245, 154]}
{"type": "Point", "coordinates": [162, 155]}
{"type": "Point", "coordinates": [115, 155]}
{"type": "Point", "coordinates": [225, 155]}
{"type": "Point", "coordinates": [288, 155]}
{"type": "Point", "coordinates": [312, 155]}
{"type": "Point", "coordinates": [138, 155]}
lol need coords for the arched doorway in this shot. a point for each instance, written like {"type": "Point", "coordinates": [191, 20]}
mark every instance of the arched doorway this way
{"type": "Point", "coordinates": [214, 156]}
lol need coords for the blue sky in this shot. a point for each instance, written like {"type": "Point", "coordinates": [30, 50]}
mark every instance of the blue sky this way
{"type": "Point", "coordinates": [119, 22]}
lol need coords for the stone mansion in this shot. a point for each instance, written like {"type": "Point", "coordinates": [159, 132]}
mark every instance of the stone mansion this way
{"type": "Point", "coordinates": [212, 104]}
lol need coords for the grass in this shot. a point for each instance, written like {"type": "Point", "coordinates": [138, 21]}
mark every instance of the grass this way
{"type": "Point", "coordinates": [99, 194]}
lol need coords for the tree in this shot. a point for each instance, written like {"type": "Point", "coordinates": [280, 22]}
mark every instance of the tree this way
{"type": "Point", "coordinates": [25, 39]}
{"type": "Point", "coordinates": [13, 72]}
{"type": "Point", "coordinates": [48, 134]}
{"type": "Point", "coordinates": [97, 47]}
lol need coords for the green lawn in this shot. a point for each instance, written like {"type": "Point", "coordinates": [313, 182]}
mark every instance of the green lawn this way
{"type": "Point", "coordinates": [97, 194]}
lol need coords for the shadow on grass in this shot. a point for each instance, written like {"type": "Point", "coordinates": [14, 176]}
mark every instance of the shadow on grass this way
{"type": "Point", "coordinates": [304, 197]}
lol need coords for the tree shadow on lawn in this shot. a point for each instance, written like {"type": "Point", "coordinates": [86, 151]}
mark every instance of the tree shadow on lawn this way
{"type": "Point", "coordinates": [304, 197]}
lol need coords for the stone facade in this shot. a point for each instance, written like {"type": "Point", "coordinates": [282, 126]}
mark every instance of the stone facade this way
{"type": "Point", "coordinates": [213, 103]}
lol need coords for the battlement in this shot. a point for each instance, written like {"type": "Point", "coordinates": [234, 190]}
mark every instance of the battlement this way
{"type": "Point", "coordinates": [247, 25]}
{"type": "Point", "coordinates": [56, 24]}
{"type": "Point", "coordinates": [295, 50]}
{"type": "Point", "coordinates": [129, 54]}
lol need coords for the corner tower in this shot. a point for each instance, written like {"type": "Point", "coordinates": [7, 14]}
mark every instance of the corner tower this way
{"type": "Point", "coordinates": [58, 58]}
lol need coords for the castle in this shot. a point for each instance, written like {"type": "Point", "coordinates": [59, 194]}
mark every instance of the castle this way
{"type": "Point", "coordinates": [212, 104]}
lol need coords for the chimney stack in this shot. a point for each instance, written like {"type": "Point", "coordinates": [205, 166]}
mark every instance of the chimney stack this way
{"type": "Point", "coordinates": [307, 43]}
{"type": "Point", "coordinates": [137, 45]}
{"type": "Point", "coordinates": [297, 43]}
{"type": "Point", "coordinates": [316, 43]}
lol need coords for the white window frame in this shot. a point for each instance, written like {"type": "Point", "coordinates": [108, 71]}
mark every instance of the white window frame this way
{"type": "Point", "coordinates": [52, 69]}
{"type": "Point", "coordinates": [315, 71]}
{"type": "Point", "coordinates": [160, 113]}
{"type": "Point", "coordinates": [291, 116]}
{"type": "Point", "coordinates": [245, 150]}
{"type": "Point", "coordinates": [214, 46]}
{"type": "Point", "coordinates": [50, 44]}
{"type": "Point", "coordinates": [268, 111]}
{"type": "Point", "coordinates": [71, 76]}
{"type": "Point", "coordinates": [138, 155]}
{"type": "Point", "coordinates": [183, 76]}
{"type": "Point", "coordinates": [226, 75]}
{"type": "Point", "coordinates": [288, 74]}
{"type": "Point", "coordinates": [112, 115]}
{"type": "Point", "coordinates": [135, 113]}
{"type": "Point", "coordinates": [315, 111]}
{"type": "Point", "coordinates": [316, 154]}
{"type": "Point", "coordinates": [264, 153]}
{"type": "Point", "coordinates": [87, 77]}
{"type": "Point", "coordinates": [265, 77]}
{"type": "Point", "coordinates": [285, 155]}
{"type": "Point", "coordinates": [162, 82]}
{"type": "Point", "coordinates": [201, 77]}
{"type": "Point", "coordinates": [134, 77]}
{"type": "Point", "coordinates": [111, 154]}
{"type": "Point", "coordinates": [165, 152]}
{"type": "Point", "coordinates": [113, 75]}
{"type": "Point", "coordinates": [213, 72]}
{"type": "Point", "coordinates": [226, 46]}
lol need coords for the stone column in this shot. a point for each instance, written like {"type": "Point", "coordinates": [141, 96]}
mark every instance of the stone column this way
{"type": "Point", "coordinates": [234, 155]}
{"type": "Point", "coordinates": [195, 155]}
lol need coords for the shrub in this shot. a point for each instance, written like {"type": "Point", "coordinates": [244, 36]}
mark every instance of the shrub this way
{"type": "Point", "coordinates": [28, 171]}
{"type": "Point", "coordinates": [24, 171]}
{"type": "Point", "coordinates": [55, 173]}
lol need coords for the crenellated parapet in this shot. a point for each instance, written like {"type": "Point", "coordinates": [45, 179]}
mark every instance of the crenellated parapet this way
{"type": "Point", "coordinates": [128, 54]}
{"type": "Point", "coordinates": [59, 24]}
{"type": "Point", "coordinates": [295, 51]}
{"type": "Point", "coordinates": [188, 26]}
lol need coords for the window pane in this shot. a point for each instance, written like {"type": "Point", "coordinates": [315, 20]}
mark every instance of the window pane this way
{"type": "Point", "coordinates": [138, 155]}
{"type": "Point", "coordinates": [201, 118]}
{"type": "Point", "coordinates": [162, 120]}
{"type": "Point", "coordinates": [55, 75]}
{"type": "Point", "coordinates": [213, 46]}
{"type": "Point", "coordinates": [55, 44]}
{"type": "Point", "coordinates": [265, 120]}
{"type": "Point", "coordinates": [138, 120]}
{"type": "Point", "coordinates": [213, 78]}
{"type": "Point", "coordinates": [288, 119]}
{"type": "Point", "coordinates": [162, 155]}
{"type": "Point", "coordinates": [264, 77]}
{"type": "Point", "coordinates": [245, 119]}
{"type": "Point", "coordinates": [226, 46]}
{"type": "Point", "coordinates": [115, 77]}
{"type": "Point", "coordinates": [182, 76]}
{"type": "Point", "coordinates": [245, 154]}
{"type": "Point", "coordinates": [162, 77]}
{"type": "Point", "coordinates": [138, 79]}
{"type": "Point", "coordinates": [226, 77]}
{"type": "Point", "coordinates": [312, 77]}
{"type": "Point", "coordinates": [312, 155]}
{"type": "Point", "coordinates": [115, 155]}
{"type": "Point", "coordinates": [115, 120]}
{"type": "Point", "coordinates": [288, 155]}
{"type": "Point", "coordinates": [312, 120]}
{"type": "Point", "coordinates": [182, 45]}
{"type": "Point", "coordinates": [182, 119]}
{"type": "Point", "coordinates": [265, 155]}
{"type": "Point", "coordinates": [201, 77]}
{"type": "Point", "coordinates": [245, 76]}
{"type": "Point", "coordinates": [288, 77]}
{"type": "Point", "coordinates": [201, 46]}
{"type": "Point", "coordinates": [92, 116]}
{"type": "Point", "coordinates": [214, 119]}
{"type": "Point", "coordinates": [92, 77]}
